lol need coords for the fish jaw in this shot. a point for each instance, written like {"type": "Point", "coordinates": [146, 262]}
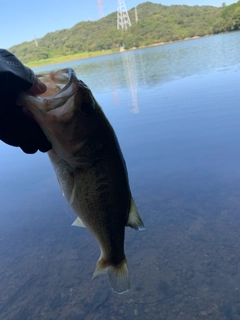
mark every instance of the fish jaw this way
{"type": "Point", "coordinates": [56, 98]}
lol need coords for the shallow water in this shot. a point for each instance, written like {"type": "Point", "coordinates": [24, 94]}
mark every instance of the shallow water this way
{"type": "Point", "coordinates": [175, 109]}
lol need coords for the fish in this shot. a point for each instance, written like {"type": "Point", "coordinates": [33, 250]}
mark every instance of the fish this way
{"type": "Point", "coordinates": [89, 166]}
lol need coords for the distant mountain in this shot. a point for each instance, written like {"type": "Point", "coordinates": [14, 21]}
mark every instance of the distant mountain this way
{"type": "Point", "coordinates": [156, 24]}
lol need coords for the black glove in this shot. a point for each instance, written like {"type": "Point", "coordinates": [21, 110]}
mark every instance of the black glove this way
{"type": "Point", "coordinates": [16, 128]}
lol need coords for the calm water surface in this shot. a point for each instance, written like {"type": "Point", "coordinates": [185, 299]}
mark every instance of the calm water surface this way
{"type": "Point", "coordinates": [176, 111]}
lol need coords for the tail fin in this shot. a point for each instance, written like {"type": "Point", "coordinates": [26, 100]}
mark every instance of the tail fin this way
{"type": "Point", "coordinates": [118, 275]}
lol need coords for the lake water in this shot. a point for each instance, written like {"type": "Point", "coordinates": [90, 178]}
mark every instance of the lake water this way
{"type": "Point", "coordinates": [176, 111]}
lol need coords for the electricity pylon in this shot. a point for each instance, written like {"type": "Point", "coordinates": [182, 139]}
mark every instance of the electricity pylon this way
{"type": "Point", "coordinates": [36, 42]}
{"type": "Point", "coordinates": [123, 20]}
{"type": "Point", "coordinates": [100, 8]}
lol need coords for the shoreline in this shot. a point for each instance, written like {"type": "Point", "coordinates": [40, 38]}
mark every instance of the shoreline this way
{"type": "Point", "coordinates": [83, 56]}
{"type": "Point", "coordinates": [63, 59]}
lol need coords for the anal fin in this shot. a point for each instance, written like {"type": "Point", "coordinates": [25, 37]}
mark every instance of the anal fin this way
{"type": "Point", "coordinates": [134, 219]}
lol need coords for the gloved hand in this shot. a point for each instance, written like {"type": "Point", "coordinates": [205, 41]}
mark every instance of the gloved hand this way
{"type": "Point", "coordinates": [16, 128]}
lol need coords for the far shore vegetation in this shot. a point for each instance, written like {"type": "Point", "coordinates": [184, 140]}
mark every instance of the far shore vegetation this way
{"type": "Point", "coordinates": [66, 58]}
{"type": "Point", "coordinates": [86, 55]}
{"type": "Point", "coordinates": [157, 24]}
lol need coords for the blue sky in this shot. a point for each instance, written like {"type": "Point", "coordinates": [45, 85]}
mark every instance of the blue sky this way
{"type": "Point", "coordinates": [22, 20]}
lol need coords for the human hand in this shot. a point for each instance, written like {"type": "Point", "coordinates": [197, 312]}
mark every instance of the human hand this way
{"type": "Point", "coordinates": [16, 128]}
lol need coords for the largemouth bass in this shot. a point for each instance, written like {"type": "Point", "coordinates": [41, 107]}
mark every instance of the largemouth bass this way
{"type": "Point", "coordinates": [89, 166]}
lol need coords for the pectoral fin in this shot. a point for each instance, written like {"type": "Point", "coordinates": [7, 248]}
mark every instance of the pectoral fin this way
{"type": "Point", "coordinates": [134, 220]}
{"type": "Point", "coordinates": [78, 223]}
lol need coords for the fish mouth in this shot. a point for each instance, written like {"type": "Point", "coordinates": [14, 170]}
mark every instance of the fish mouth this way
{"type": "Point", "coordinates": [62, 79]}
{"type": "Point", "coordinates": [61, 85]}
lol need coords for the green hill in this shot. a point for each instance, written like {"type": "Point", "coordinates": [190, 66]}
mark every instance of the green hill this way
{"type": "Point", "coordinates": [156, 24]}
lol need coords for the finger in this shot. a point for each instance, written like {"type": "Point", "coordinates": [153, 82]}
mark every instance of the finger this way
{"type": "Point", "coordinates": [38, 87]}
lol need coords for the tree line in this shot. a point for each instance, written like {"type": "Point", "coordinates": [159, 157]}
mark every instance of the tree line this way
{"type": "Point", "coordinates": [156, 24]}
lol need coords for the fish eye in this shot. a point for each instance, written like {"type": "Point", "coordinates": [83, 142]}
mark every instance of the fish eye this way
{"type": "Point", "coordinates": [87, 106]}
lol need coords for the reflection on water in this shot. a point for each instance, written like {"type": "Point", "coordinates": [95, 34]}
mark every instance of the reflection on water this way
{"type": "Point", "coordinates": [130, 72]}
{"type": "Point", "coordinates": [183, 155]}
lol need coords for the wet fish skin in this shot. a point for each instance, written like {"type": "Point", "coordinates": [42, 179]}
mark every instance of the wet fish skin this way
{"type": "Point", "coordinates": [90, 168]}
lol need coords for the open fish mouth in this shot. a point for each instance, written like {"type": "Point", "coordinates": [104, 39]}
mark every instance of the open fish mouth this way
{"type": "Point", "coordinates": [58, 81]}
{"type": "Point", "coordinates": [61, 85]}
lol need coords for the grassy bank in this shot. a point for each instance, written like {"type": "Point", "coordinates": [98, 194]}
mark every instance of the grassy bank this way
{"type": "Point", "coordinates": [72, 57]}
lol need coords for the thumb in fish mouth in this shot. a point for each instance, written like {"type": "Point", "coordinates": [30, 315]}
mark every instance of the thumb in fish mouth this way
{"type": "Point", "coordinates": [38, 87]}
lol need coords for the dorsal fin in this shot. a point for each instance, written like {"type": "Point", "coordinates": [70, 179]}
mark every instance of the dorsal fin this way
{"type": "Point", "coordinates": [134, 219]}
